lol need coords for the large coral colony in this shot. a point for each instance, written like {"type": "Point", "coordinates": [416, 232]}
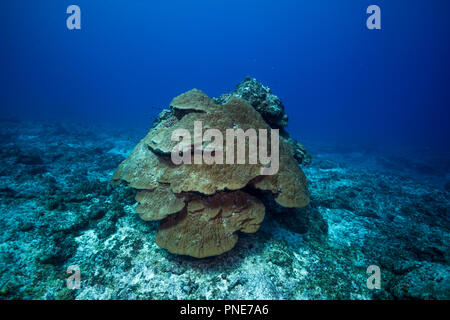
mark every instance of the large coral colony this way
{"type": "Point", "coordinates": [201, 207]}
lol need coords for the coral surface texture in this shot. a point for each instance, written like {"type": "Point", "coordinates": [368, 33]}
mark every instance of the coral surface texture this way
{"type": "Point", "coordinates": [110, 201]}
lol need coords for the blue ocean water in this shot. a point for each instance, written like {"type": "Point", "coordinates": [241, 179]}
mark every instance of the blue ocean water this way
{"type": "Point", "coordinates": [370, 106]}
{"type": "Point", "coordinates": [338, 80]}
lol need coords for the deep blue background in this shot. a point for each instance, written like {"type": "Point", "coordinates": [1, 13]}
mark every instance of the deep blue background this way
{"type": "Point", "coordinates": [338, 80]}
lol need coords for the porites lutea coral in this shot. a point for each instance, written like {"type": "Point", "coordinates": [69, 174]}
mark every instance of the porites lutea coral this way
{"type": "Point", "coordinates": [201, 207]}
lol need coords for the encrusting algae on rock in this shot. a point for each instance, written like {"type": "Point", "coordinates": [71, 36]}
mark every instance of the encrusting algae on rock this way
{"type": "Point", "coordinates": [202, 206]}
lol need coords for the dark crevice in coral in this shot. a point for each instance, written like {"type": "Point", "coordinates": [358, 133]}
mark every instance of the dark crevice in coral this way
{"type": "Point", "coordinates": [180, 113]}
